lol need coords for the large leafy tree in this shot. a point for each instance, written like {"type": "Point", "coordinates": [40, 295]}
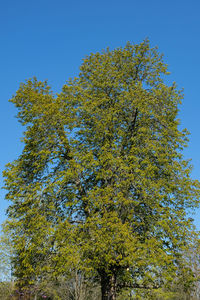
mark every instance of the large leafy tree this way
{"type": "Point", "coordinates": [101, 185]}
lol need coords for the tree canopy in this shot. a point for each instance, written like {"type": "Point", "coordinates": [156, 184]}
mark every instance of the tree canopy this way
{"type": "Point", "coordinates": [102, 186]}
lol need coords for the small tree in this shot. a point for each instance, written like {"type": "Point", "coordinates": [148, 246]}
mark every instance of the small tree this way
{"type": "Point", "coordinates": [6, 254]}
{"type": "Point", "coordinates": [101, 185]}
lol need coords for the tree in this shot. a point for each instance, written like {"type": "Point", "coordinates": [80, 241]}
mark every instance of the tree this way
{"type": "Point", "coordinates": [101, 185]}
{"type": "Point", "coordinates": [6, 280]}
{"type": "Point", "coordinates": [6, 252]}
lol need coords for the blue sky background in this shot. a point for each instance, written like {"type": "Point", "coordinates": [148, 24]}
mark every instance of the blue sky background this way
{"type": "Point", "coordinates": [49, 39]}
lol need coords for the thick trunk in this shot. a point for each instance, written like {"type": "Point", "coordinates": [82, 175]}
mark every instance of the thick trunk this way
{"type": "Point", "coordinates": [108, 287]}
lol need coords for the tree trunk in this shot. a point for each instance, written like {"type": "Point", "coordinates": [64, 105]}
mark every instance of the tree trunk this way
{"type": "Point", "coordinates": [35, 297]}
{"type": "Point", "coordinates": [108, 287]}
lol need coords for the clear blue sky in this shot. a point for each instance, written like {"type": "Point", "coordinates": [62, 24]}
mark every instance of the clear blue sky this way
{"type": "Point", "coordinates": [48, 39]}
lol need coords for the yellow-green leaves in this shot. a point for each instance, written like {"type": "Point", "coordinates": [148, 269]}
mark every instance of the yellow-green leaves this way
{"type": "Point", "coordinates": [101, 185]}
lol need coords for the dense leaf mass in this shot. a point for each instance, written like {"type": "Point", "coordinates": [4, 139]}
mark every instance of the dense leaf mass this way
{"type": "Point", "coordinates": [101, 185]}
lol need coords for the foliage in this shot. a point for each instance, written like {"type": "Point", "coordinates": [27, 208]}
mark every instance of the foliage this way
{"type": "Point", "coordinates": [6, 254]}
{"type": "Point", "coordinates": [101, 185]}
{"type": "Point", "coordinates": [6, 290]}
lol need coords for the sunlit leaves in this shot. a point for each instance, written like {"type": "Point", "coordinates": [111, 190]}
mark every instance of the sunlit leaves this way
{"type": "Point", "coordinates": [101, 184]}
